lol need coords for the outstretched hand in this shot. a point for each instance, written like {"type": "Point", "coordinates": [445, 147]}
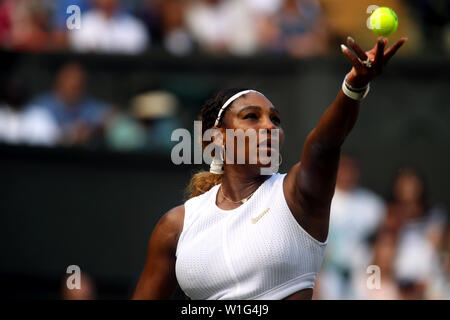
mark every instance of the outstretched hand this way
{"type": "Point", "coordinates": [367, 65]}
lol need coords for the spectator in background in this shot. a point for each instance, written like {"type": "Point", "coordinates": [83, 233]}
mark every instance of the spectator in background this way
{"type": "Point", "coordinates": [59, 20]}
{"type": "Point", "coordinates": [298, 29]}
{"type": "Point", "coordinates": [18, 126]}
{"type": "Point", "coordinates": [165, 21]}
{"type": "Point", "coordinates": [263, 12]}
{"type": "Point", "coordinates": [25, 25]}
{"type": "Point", "coordinates": [79, 118]}
{"type": "Point", "coordinates": [421, 229]}
{"type": "Point", "coordinates": [60, 15]}
{"type": "Point", "coordinates": [87, 290]}
{"type": "Point", "coordinates": [6, 8]}
{"type": "Point", "coordinates": [383, 256]}
{"type": "Point", "coordinates": [13, 99]}
{"type": "Point", "coordinates": [263, 7]}
{"type": "Point", "coordinates": [408, 201]}
{"type": "Point", "coordinates": [107, 29]}
{"type": "Point", "coordinates": [150, 125]}
{"type": "Point", "coordinates": [223, 26]}
{"type": "Point", "coordinates": [355, 215]}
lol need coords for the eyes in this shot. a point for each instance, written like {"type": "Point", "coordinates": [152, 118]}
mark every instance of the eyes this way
{"type": "Point", "coordinates": [253, 116]}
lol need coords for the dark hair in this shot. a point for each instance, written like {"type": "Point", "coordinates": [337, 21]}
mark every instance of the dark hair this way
{"type": "Point", "coordinates": [212, 106]}
{"type": "Point", "coordinates": [203, 181]}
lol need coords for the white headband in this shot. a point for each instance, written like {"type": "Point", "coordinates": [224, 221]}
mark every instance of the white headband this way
{"type": "Point", "coordinates": [230, 101]}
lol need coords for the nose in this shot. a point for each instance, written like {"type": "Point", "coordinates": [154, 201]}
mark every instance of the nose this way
{"type": "Point", "coordinates": [267, 130]}
{"type": "Point", "coordinates": [268, 124]}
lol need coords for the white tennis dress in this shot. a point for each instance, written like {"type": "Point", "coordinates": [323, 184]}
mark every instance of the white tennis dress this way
{"type": "Point", "coordinates": [256, 251]}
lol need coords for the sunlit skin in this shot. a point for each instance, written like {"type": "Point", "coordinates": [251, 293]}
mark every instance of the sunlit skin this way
{"type": "Point", "coordinates": [308, 186]}
{"type": "Point", "coordinates": [251, 113]}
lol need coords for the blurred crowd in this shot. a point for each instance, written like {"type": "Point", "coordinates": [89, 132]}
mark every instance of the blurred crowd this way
{"type": "Point", "coordinates": [298, 28]}
{"type": "Point", "coordinates": [402, 238]}
{"type": "Point", "coordinates": [68, 116]}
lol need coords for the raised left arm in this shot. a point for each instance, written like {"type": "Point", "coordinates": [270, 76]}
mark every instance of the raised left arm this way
{"type": "Point", "coordinates": [310, 183]}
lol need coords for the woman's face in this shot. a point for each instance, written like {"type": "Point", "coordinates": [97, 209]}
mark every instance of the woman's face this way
{"type": "Point", "coordinates": [253, 116]}
{"type": "Point", "coordinates": [408, 188]}
{"type": "Point", "coordinates": [384, 251]}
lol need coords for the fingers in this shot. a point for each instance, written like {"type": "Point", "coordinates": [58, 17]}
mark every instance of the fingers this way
{"type": "Point", "coordinates": [379, 54]}
{"type": "Point", "coordinates": [380, 57]}
{"type": "Point", "coordinates": [351, 56]}
{"type": "Point", "coordinates": [356, 48]}
{"type": "Point", "coordinates": [393, 49]}
{"type": "Point", "coordinates": [374, 49]}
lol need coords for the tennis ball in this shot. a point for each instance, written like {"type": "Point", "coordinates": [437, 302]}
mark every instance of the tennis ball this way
{"type": "Point", "coordinates": [383, 21]}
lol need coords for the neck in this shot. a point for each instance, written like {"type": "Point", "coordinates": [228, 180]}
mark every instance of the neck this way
{"type": "Point", "coordinates": [240, 181]}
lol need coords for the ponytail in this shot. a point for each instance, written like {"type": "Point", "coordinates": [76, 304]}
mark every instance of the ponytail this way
{"type": "Point", "coordinates": [202, 182]}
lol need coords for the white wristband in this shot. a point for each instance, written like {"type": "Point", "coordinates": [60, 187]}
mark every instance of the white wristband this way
{"type": "Point", "coordinates": [354, 93]}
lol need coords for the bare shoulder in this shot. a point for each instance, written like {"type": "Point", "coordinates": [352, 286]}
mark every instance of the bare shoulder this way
{"type": "Point", "coordinates": [169, 226]}
{"type": "Point", "coordinates": [173, 218]}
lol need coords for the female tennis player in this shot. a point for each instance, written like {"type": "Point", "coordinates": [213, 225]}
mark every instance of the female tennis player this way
{"type": "Point", "coordinates": [244, 235]}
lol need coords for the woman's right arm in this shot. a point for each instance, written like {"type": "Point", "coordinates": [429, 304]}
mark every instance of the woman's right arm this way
{"type": "Point", "coordinates": [158, 280]}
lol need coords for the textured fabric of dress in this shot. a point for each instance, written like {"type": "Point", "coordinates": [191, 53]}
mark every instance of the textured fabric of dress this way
{"type": "Point", "coordinates": [256, 251]}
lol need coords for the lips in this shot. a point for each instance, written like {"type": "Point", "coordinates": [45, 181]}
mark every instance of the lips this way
{"type": "Point", "coordinates": [268, 144]}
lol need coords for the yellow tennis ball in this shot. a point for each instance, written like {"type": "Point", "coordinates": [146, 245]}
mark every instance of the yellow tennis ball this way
{"type": "Point", "coordinates": [383, 21]}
